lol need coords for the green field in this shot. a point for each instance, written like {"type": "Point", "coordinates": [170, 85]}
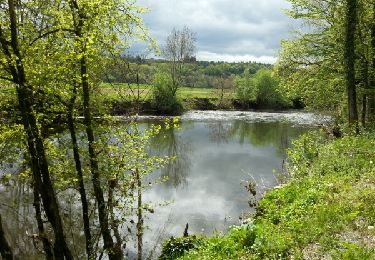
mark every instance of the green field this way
{"type": "Point", "coordinates": [144, 92]}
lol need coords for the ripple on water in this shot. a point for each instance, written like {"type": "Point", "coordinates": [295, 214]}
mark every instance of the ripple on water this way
{"type": "Point", "coordinates": [299, 118]}
{"type": "Point", "coordinates": [296, 118]}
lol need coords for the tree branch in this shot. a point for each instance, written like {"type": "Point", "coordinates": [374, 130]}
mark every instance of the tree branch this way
{"type": "Point", "coordinates": [50, 32]}
{"type": "Point", "coordinates": [6, 78]}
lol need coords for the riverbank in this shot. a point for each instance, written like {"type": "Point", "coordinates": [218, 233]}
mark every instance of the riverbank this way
{"type": "Point", "coordinates": [147, 107]}
{"type": "Point", "coordinates": [325, 211]}
{"type": "Point", "coordinates": [122, 101]}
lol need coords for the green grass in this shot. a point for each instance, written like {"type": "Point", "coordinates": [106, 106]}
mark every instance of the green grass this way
{"type": "Point", "coordinates": [326, 210]}
{"type": "Point", "coordinates": [130, 91]}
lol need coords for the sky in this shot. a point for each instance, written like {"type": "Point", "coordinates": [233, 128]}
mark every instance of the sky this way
{"type": "Point", "coordinates": [226, 30]}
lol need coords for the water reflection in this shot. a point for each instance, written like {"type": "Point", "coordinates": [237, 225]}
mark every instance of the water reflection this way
{"type": "Point", "coordinates": [169, 142]}
{"type": "Point", "coordinates": [204, 186]}
{"type": "Point", "coordinates": [275, 134]}
{"type": "Point", "coordinates": [220, 132]}
{"type": "Point", "coordinates": [18, 219]}
{"type": "Point", "coordinates": [222, 155]}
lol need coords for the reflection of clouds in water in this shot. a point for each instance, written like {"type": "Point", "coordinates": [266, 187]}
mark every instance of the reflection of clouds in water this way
{"type": "Point", "coordinates": [215, 196]}
{"type": "Point", "coordinates": [207, 189]}
{"type": "Point", "coordinates": [197, 206]}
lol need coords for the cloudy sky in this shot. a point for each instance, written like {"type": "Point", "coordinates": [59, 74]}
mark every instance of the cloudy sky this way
{"type": "Point", "coordinates": [227, 30]}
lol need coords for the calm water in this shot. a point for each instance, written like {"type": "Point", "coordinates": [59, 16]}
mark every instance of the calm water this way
{"type": "Point", "coordinates": [216, 153]}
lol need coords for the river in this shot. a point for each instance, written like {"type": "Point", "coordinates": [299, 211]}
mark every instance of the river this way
{"type": "Point", "coordinates": [217, 152]}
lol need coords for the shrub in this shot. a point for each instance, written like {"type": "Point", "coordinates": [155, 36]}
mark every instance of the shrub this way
{"type": "Point", "coordinates": [260, 89]}
{"type": "Point", "coordinates": [176, 247]}
{"type": "Point", "coordinates": [164, 95]}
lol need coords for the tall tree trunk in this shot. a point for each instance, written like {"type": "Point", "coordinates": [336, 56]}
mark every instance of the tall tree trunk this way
{"type": "Point", "coordinates": [42, 235]}
{"type": "Point", "coordinates": [41, 173]}
{"type": "Point", "coordinates": [36, 150]}
{"type": "Point", "coordinates": [349, 57]}
{"type": "Point", "coordinates": [78, 20]}
{"type": "Point", "coordinates": [139, 215]}
{"type": "Point", "coordinates": [5, 249]}
{"type": "Point", "coordinates": [371, 105]}
{"type": "Point", "coordinates": [81, 185]}
{"type": "Point", "coordinates": [113, 252]}
{"type": "Point", "coordinates": [364, 110]}
{"type": "Point", "coordinates": [112, 219]}
{"type": "Point", "coordinates": [365, 83]}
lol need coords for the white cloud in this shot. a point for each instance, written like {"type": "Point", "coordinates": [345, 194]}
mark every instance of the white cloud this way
{"type": "Point", "coordinates": [210, 56]}
{"type": "Point", "coordinates": [240, 30]}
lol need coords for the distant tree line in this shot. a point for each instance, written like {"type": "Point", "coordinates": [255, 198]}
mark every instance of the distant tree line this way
{"type": "Point", "coordinates": [196, 74]}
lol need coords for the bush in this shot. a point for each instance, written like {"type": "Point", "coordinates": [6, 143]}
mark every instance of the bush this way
{"type": "Point", "coordinates": [260, 89]}
{"type": "Point", "coordinates": [176, 247]}
{"type": "Point", "coordinates": [164, 96]}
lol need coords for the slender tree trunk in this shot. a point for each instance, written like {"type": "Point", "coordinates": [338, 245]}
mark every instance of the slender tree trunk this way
{"type": "Point", "coordinates": [113, 222]}
{"type": "Point", "coordinates": [112, 251]}
{"type": "Point", "coordinates": [38, 159]}
{"type": "Point", "coordinates": [139, 215]}
{"type": "Point", "coordinates": [365, 83]}
{"type": "Point", "coordinates": [113, 254]}
{"type": "Point", "coordinates": [38, 215]}
{"type": "Point", "coordinates": [5, 249]}
{"type": "Point", "coordinates": [371, 107]}
{"type": "Point", "coordinates": [81, 185]}
{"type": "Point", "coordinates": [364, 110]}
{"type": "Point", "coordinates": [41, 174]}
{"type": "Point", "coordinates": [349, 57]}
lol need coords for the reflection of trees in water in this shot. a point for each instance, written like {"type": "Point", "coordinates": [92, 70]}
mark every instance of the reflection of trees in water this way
{"type": "Point", "coordinates": [18, 211]}
{"type": "Point", "coordinates": [16, 200]}
{"type": "Point", "coordinates": [170, 143]}
{"type": "Point", "coordinates": [220, 132]}
{"type": "Point", "coordinates": [18, 219]}
{"type": "Point", "coordinates": [277, 134]}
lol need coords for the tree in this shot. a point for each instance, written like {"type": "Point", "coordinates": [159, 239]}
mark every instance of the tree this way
{"type": "Point", "coordinates": [310, 65]}
{"type": "Point", "coordinates": [50, 58]}
{"type": "Point", "coordinates": [95, 34]}
{"type": "Point", "coordinates": [349, 57]}
{"type": "Point", "coordinates": [15, 55]}
{"type": "Point", "coordinates": [224, 90]}
{"type": "Point", "coordinates": [245, 89]}
{"type": "Point", "coordinates": [260, 89]}
{"type": "Point", "coordinates": [323, 68]}
{"type": "Point", "coordinates": [164, 95]}
{"type": "Point", "coordinates": [179, 49]}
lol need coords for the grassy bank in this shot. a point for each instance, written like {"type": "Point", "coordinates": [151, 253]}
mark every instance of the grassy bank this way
{"type": "Point", "coordinates": [326, 211]}
{"type": "Point", "coordinates": [121, 98]}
